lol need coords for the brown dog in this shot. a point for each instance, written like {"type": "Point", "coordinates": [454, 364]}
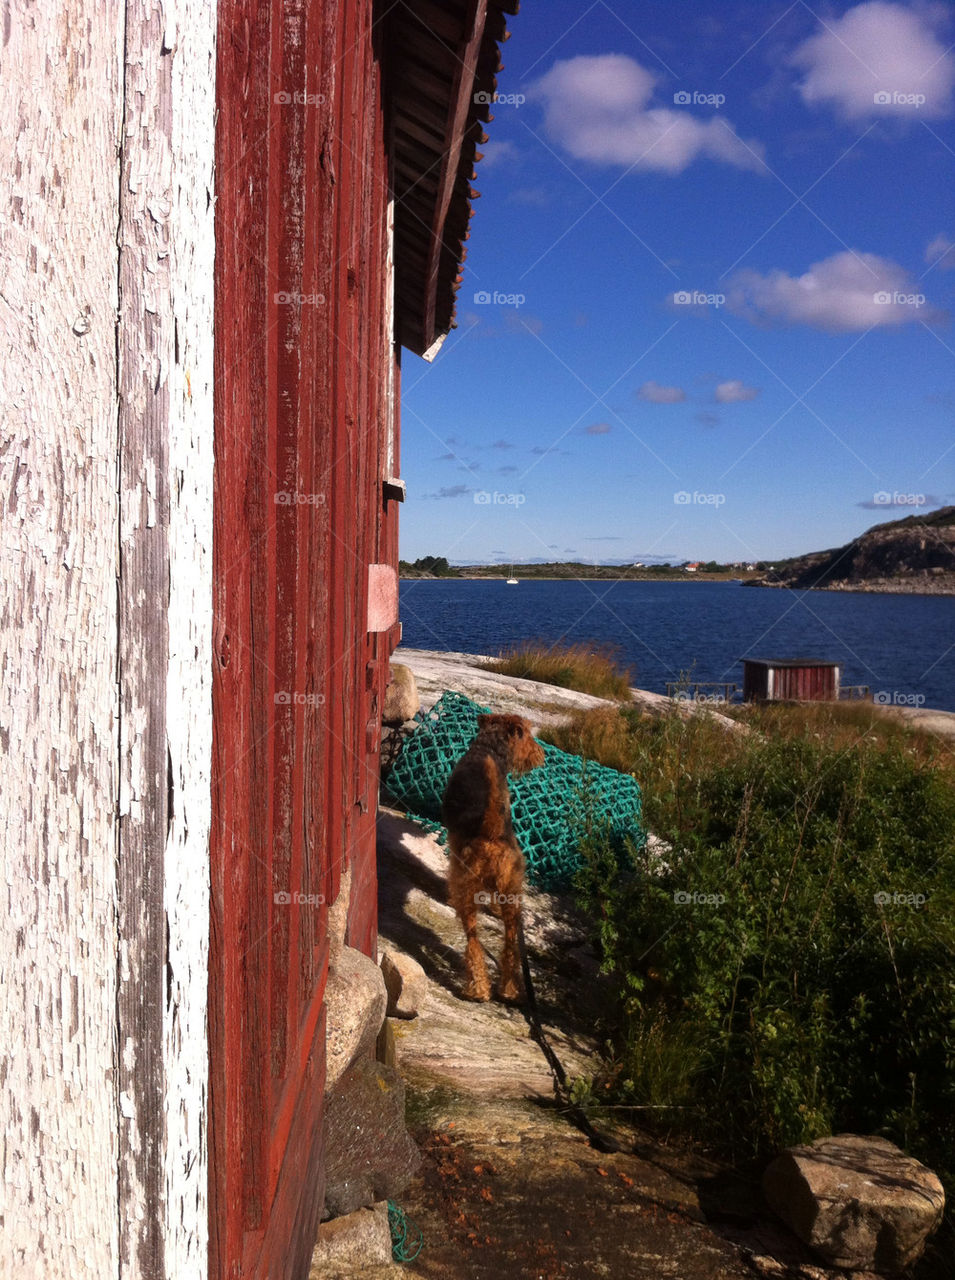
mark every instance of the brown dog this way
{"type": "Point", "coordinates": [487, 865]}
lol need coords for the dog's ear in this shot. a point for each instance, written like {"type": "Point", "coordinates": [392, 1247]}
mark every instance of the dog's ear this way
{"type": "Point", "coordinates": [483, 721]}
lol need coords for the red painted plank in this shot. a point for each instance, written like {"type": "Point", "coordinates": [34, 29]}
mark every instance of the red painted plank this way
{"type": "Point", "coordinates": [302, 194]}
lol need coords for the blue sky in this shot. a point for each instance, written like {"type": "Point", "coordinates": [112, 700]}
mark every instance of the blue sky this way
{"type": "Point", "coordinates": [706, 306]}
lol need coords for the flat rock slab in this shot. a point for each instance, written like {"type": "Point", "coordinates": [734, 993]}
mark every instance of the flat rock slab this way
{"type": "Point", "coordinates": [542, 704]}
{"type": "Point", "coordinates": [858, 1202]}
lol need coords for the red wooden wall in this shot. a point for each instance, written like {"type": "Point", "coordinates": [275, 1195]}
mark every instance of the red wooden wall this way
{"type": "Point", "coordinates": [790, 682]}
{"type": "Point", "coordinates": [302, 421]}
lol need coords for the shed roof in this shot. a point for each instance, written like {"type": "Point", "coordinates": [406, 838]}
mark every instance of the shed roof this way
{"type": "Point", "coordinates": [443, 57]}
{"type": "Point", "coordinates": [791, 662]}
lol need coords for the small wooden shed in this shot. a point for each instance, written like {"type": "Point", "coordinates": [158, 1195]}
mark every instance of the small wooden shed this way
{"type": "Point", "coordinates": [790, 680]}
{"type": "Point", "coordinates": [223, 219]}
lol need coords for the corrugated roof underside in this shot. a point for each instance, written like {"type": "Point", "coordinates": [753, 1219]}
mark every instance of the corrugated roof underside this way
{"type": "Point", "coordinates": [440, 67]}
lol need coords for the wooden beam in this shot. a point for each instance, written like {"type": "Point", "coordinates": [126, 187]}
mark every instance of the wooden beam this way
{"type": "Point", "coordinates": [463, 85]}
{"type": "Point", "coordinates": [164, 352]}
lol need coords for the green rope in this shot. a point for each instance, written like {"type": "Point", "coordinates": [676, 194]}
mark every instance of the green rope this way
{"type": "Point", "coordinates": [400, 1226]}
{"type": "Point", "coordinates": [554, 807]}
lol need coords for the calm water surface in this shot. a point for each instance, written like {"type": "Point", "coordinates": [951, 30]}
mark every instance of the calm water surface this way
{"type": "Point", "coordinates": [902, 647]}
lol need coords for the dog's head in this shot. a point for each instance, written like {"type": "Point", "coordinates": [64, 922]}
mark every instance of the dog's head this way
{"type": "Point", "coordinates": [513, 736]}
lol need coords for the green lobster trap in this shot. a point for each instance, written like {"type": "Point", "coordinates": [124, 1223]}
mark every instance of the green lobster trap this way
{"type": "Point", "coordinates": [554, 807]}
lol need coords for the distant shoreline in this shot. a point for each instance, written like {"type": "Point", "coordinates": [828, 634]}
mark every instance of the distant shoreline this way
{"type": "Point", "coordinates": [904, 587]}
{"type": "Point", "coordinates": [573, 577]}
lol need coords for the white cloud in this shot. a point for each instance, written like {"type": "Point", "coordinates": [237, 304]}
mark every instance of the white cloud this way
{"type": "Point", "coordinates": [846, 292]}
{"type": "Point", "coordinates": [599, 109]}
{"type": "Point", "coordinates": [941, 252]}
{"type": "Point", "coordinates": [733, 391]}
{"type": "Point", "coordinates": [597, 429]}
{"type": "Point", "coordinates": [879, 59]}
{"type": "Point", "coordinates": [658, 394]}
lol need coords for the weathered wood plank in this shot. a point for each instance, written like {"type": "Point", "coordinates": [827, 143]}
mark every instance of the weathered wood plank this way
{"type": "Point", "coordinates": [59, 137]}
{"type": "Point", "coordinates": [190, 41]}
{"type": "Point", "coordinates": [145, 353]}
{"type": "Point", "coordinates": [165, 493]}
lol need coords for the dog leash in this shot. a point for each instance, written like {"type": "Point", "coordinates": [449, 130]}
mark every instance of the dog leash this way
{"type": "Point", "coordinates": [598, 1140]}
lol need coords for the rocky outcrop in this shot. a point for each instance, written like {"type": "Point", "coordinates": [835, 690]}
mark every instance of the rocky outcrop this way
{"type": "Point", "coordinates": [355, 1004]}
{"type": "Point", "coordinates": [858, 1202]}
{"type": "Point", "coordinates": [357, 1240]}
{"type": "Point", "coordinates": [369, 1154]}
{"type": "Point", "coordinates": [406, 983]}
{"type": "Point", "coordinates": [915, 555]}
{"type": "Point", "coordinates": [401, 696]}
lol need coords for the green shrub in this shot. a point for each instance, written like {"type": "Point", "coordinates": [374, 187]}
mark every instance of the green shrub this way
{"type": "Point", "coordinates": [789, 971]}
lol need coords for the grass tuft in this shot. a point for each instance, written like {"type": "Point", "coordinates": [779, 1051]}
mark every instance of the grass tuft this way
{"type": "Point", "coordinates": [587, 668]}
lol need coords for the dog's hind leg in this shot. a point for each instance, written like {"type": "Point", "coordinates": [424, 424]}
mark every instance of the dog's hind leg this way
{"type": "Point", "coordinates": [507, 986]}
{"type": "Point", "coordinates": [463, 890]}
{"type": "Point", "coordinates": [478, 985]}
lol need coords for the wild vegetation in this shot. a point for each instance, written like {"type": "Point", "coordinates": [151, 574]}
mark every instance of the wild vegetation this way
{"type": "Point", "coordinates": [782, 966]}
{"type": "Point", "coordinates": [587, 668]}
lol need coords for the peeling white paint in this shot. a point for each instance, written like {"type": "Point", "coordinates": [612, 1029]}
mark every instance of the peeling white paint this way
{"type": "Point", "coordinates": [189, 684]}
{"type": "Point", "coordinates": [73, 1134]}
{"type": "Point", "coordinates": [59, 136]}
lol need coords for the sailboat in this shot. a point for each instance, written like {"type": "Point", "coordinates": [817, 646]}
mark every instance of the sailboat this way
{"type": "Point", "coordinates": [512, 581]}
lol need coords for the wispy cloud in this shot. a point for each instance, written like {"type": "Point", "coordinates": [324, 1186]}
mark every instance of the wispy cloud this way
{"type": "Point", "coordinates": [733, 391]}
{"type": "Point", "coordinates": [941, 252]}
{"type": "Point", "coordinates": [449, 491]}
{"type": "Point", "coordinates": [657, 394]}
{"type": "Point", "coordinates": [597, 429]}
{"type": "Point", "coordinates": [496, 152]}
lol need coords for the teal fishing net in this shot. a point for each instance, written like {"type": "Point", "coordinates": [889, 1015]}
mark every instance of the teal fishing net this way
{"type": "Point", "coordinates": [553, 807]}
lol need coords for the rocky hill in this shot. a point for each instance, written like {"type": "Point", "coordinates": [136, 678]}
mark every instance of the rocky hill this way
{"type": "Point", "coordinates": [916, 554]}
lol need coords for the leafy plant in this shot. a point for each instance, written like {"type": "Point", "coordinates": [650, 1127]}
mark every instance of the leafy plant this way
{"type": "Point", "coordinates": [783, 968]}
